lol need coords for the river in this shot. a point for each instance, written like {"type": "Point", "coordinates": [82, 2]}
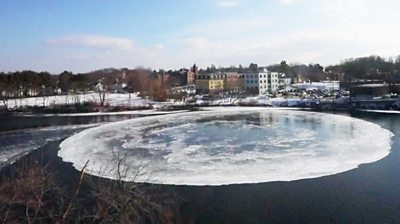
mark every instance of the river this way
{"type": "Point", "coordinates": [367, 194]}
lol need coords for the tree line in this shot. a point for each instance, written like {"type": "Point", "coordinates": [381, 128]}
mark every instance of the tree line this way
{"type": "Point", "coordinates": [154, 83]}
{"type": "Point", "coordinates": [371, 67]}
{"type": "Point", "coordinates": [30, 83]}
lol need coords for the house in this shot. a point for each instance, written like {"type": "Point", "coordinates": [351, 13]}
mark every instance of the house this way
{"type": "Point", "coordinates": [234, 82]}
{"type": "Point", "coordinates": [210, 83]}
{"type": "Point", "coordinates": [283, 81]}
{"type": "Point", "coordinates": [119, 87]}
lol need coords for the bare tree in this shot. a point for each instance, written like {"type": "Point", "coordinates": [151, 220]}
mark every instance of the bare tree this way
{"type": "Point", "coordinates": [5, 103]}
{"type": "Point", "coordinates": [101, 90]}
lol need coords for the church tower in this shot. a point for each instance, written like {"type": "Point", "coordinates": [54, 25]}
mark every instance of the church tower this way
{"type": "Point", "coordinates": [191, 75]}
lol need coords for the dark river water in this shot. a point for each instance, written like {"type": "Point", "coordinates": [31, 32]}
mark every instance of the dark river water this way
{"type": "Point", "coordinates": [368, 194]}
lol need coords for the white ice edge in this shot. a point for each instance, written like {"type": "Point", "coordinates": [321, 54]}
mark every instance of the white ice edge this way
{"type": "Point", "coordinates": [380, 111]}
{"type": "Point", "coordinates": [12, 152]}
{"type": "Point", "coordinates": [84, 146]}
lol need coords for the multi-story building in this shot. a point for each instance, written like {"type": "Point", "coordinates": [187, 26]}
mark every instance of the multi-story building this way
{"type": "Point", "coordinates": [273, 82]}
{"type": "Point", "coordinates": [251, 82]}
{"type": "Point", "coordinates": [262, 82]}
{"type": "Point", "coordinates": [234, 82]}
{"type": "Point", "coordinates": [210, 83]}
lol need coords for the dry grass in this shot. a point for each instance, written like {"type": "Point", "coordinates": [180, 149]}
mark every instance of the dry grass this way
{"type": "Point", "coordinates": [30, 194]}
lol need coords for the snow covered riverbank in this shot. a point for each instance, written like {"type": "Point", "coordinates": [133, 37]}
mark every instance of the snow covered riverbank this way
{"type": "Point", "coordinates": [111, 99]}
{"type": "Point", "coordinates": [125, 103]}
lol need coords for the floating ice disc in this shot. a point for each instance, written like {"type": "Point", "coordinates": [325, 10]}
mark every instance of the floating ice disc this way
{"type": "Point", "coordinates": [227, 146]}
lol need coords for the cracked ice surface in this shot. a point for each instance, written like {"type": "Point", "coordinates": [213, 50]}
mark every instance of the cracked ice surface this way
{"type": "Point", "coordinates": [227, 146]}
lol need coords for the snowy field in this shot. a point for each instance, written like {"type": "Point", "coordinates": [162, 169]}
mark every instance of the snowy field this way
{"type": "Point", "coordinates": [125, 100]}
{"type": "Point", "coordinates": [111, 99]}
{"type": "Point", "coordinates": [227, 146]}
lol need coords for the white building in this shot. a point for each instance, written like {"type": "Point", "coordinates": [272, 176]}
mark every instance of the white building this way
{"type": "Point", "coordinates": [262, 82]}
{"type": "Point", "coordinates": [268, 82]}
{"type": "Point", "coordinates": [274, 84]}
{"type": "Point", "coordinates": [284, 81]}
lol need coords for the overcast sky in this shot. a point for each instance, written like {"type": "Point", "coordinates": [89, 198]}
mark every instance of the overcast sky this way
{"type": "Point", "coordinates": [85, 35]}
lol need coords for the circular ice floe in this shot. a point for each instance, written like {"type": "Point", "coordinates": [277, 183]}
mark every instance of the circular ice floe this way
{"type": "Point", "coordinates": [227, 146]}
